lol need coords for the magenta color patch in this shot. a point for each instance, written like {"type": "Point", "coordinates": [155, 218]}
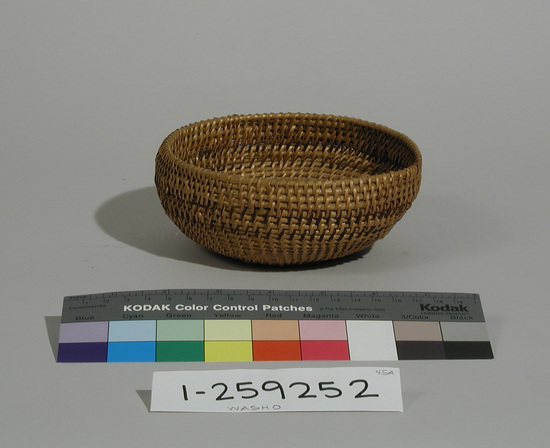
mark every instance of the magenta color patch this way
{"type": "Point", "coordinates": [323, 330]}
{"type": "Point", "coordinates": [325, 350]}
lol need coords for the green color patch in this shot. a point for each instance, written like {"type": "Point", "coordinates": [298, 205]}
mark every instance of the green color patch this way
{"type": "Point", "coordinates": [180, 351]}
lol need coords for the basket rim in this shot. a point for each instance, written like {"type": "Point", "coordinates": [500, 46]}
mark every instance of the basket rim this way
{"type": "Point", "coordinates": [236, 178]}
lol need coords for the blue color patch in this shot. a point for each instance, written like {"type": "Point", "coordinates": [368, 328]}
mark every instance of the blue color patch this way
{"type": "Point", "coordinates": [82, 352]}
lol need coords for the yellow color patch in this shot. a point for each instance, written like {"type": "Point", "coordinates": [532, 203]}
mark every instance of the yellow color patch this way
{"type": "Point", "coordinates": [228, 330]}
{"type": "Point", "coordinates": [227, 351]}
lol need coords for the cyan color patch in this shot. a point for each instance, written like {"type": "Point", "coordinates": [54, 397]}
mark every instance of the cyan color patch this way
{"type": "Point", "coordinates": [131, 351]}
{"type": "Point", "coordinates": [132, 330]}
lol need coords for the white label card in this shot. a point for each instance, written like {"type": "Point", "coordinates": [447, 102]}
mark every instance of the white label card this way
{"type": "Point", "coordinates": [278, 390]}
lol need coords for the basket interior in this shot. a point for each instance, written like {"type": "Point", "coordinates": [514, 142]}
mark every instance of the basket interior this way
{"type": "Point", "coordinates": [269, 148]}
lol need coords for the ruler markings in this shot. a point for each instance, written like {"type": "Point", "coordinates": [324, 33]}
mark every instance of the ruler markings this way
{"type": "Point", "coordinates": [274, 304]}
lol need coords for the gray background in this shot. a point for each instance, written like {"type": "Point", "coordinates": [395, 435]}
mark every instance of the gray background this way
{"type": "Point", "coordinates": [90, 89]}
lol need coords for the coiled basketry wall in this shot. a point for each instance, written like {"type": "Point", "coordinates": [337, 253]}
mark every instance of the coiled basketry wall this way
{"type": "Point", "coordinates": [286, 188]}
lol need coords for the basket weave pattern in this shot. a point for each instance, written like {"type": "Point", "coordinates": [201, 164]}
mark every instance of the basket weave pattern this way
{"type": "Point", "coordinates": [286, 188]}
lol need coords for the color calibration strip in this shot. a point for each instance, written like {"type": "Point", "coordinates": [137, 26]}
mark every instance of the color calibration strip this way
{"type": "Point", "coordinates": [165, 326]}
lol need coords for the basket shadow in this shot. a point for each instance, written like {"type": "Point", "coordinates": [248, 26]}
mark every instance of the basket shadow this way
{"type": "Point", "coordinates": [136, 218]}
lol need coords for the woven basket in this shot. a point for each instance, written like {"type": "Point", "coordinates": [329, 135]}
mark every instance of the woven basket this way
{"type": "Point", "coordinates": [284, 189]}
